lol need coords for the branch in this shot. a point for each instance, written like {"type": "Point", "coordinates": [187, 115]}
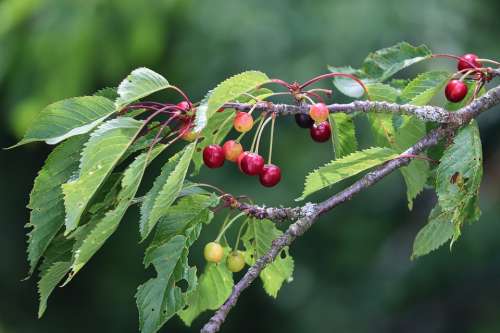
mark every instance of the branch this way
{"type": "Point", "coordinates": [308, 216]}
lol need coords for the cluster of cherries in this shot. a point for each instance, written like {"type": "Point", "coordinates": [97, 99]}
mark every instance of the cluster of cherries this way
{"type": "Point", "coordinates": [316, 121]}
{"type": "Point", "coordinates": [214, 252]}
{"type": "Point", "coordinates": [456, 89]}
{"type": "Point", "coordinates": [250, 163]}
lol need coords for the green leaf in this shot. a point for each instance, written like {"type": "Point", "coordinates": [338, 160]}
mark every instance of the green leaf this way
{"type": "Point", "coordinates": [110, 93]}
{"type": "Point", "coordinates": [55, 266]}
{"type": "Point", "coordinates": [47, 200]}
{"type": "Point", "coordinates": [102, 152]}
{"type": "Point", "coordinates": [343, 134]}
{"type": "Point", "coordinates": [138, 84]}
{"type": "Point", "coordinates": [348, 86]}
{"type": "Point", "coordinates": [257, 240]}
{"type": "Point", "coordinates": [382, 92]}
{"type": "Point", "coordinates": [381, 123]}
{"type": "Point", "coordinates": [435, 233]}
{"type": "Point", "coordinates": [225, 92]}
{"type": "Point", "coordinates": [68, 118]}
{"type": "Point", "coordinates": [424, 87]}
{"type": "Point", "coordinates": [459, 175]}
{"type": "Point", "coordinates": [161, 297]}
{"type": "Point", "coordinates": [346, 167]}
{"type": "Point", "coordinates": [165, 190]}
{"type": "Point", "coordinates": [214, 287]}
{"type": "Point", "coordinates": [417, 172]}
{"type": "Point", "coordinates": [94, 234]}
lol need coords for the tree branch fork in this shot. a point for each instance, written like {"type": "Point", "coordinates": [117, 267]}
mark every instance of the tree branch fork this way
{"type": "Point", "coordinates": [305, 216]}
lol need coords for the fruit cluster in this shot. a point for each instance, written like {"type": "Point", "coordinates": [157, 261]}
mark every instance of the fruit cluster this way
{"type": "Point", "coordinates": [316, 121]}
{"type": "Point", "coordinates": [249, 162]}
{"type": "Point", "coordinates": [214, 252]}
{"type": "Point", "coordinates": [468, 64]}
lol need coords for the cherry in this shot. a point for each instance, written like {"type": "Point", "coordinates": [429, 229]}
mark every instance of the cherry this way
{"type": "Point", "coordinates": [318, 112]}
{"type": "Point", "coordinates": [213, 252]}
{"type": "Point", "coordinates": [304, 120]}
{"type": "Point", "coordinates": [321, 132]}
{"type": "Point", "coordinates": [240, 158]}
{"type": "Point", "coordinates": [235, 261]}
{"type": "Point", "coordinates": [252, 164]}
{"type": "Point", "coordinates": [187, 133]}
{"type": "Point", "coordinates": [213, 156]}
{"type": "Point", "coordinates": [270, 175]}
{"type": "Point", "coordinates": [232, 150]}
{"type": "Point", "coordinates": [468, 61]}
{"type": "Point", "coordinates": [455, 91]}
{"type": "Point", "coordinates": [243, 122]}
{"type": "Point", "coordinates": [184, 105]}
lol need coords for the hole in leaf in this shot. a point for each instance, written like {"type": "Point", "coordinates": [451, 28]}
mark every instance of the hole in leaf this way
{"type": "Point", "coordinates": [183, 284]}
{"type": "Point", "coordinates": [283, 255]}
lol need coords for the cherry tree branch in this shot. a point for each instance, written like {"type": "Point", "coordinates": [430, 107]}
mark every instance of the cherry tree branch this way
{"type": "Point", "coordinates": [308, 214]}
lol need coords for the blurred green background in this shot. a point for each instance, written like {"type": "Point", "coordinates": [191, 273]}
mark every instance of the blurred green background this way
{"type": "Point", "coordinates": [353, 272]}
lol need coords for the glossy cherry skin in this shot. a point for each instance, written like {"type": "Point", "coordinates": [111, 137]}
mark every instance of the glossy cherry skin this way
{"type": "Point", "coordinates": [304, 120]}
{"type": "Point", "coordinates": [252, 164]}
{"type": "Point", "coordinates": [468, 61]}
{"type": "Point", "coordinates": [240, 158]}
{"type": "Point", "coordinates": [321, 132]}
{"type": "Point", "coordinates": [243, 122]}
{"type": "Point", "coordinates": [184, 105]}
{"type": "Point", "coordinates": [232, 150]}
{"type": "Point", "coordinates": [270, 175]}
{"type": "Point", "coordinates": [318, 112]}
{"type": "Point", "coordinates": [213, 252]}
{"type": "Point", "coordinates": [213, 156]}
{"type": "Point", "coordinates": [455, 91]}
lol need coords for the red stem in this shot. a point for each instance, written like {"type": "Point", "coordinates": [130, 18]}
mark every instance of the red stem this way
{"type": "Point", "coordinates": [330, 75]}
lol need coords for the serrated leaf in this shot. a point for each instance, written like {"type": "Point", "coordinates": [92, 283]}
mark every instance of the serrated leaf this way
{"type": "Point", "coordinates": [95, 233]}
{"type": "Point", "coordinates": [435, 233]}
{"type": "Point", "coordinates": [382, 92]}
{"type": "Point", "coordinates": [381, 123]}
{"type": "Point", "coordinates": [257, 240]}
{"type": "Point", "coordinates": [459, 175]}
{"type": "Point", "coordinates": [225, 92]}
{"type": "Point", "coordinates": [417, 172]}
{"type": "Point", "coordinates": [138, 84]}
{"type": "Point", "coordinates": [343, 134]}
{"type": "Point", "coordinates": [67, 118]}
{"type": "Point", "coordinates": [165, 189]}
{"type": "Point", "coordinates": [161, 297]}
{"type": "Point", "coordinates": [46, 198]}
{"type": "Point", "coordinates": [214, 287]}
{"type": "Point", "coordinates": [110, 93]}
{"type": "Point", "coordinates": [344, 168]}
{"type": "Point", "coordinates": [102, 152]}
{"type": "Point", "coordinates": [55, 266]}
{"type": "Point", "coordinates": [424, 87]}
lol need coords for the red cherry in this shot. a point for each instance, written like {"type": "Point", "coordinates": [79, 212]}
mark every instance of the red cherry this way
{"type": "Point", "coordinates": [270, 175]}
{"type": "Point", "coordinates": [232, 150]}
{"type": "Point", "coordinates": [468, 61]}
{"type": "Point", "coordinates": [318, 112]}
{"type": "Point", "coordinates": [455, 91]}
{"type": "Point", "coordinates": [243, 122]}
{"type": "Point", "coordinates": [240, 158]}
{"type": "Point", "coordinates": [221, 110]}
{"type": "Point", "coordinates": [321, 132]}
{"type": "Point", "coordinates": [213, 156]}
{"type": "Point", "coordinates": [184, 105]}
{"type": "Point", "coordinates": [252, 164]}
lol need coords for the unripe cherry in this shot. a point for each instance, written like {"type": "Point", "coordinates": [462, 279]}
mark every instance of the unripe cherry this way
{"type": "Point", "coordinates": [321, 132]}
{"type": "Point", "coordinates": [235, 261]}
{"type": "Point", "coordinates": [213, 252]}
{"type": "Point", "coordinates": [232, 150]}
{"type": "Point", "coordinates": [213, 156]}
{"type": "Point", "coordinates": [455, 91]}
{"type": "Point", "coordinates": [243, 122]}
{"type": "Point", "coordinates": [318, 112]}
{"type": "Point", "coordinates": [270, 175]}
{"type": "Point", "coordinates": [187, 133]}
{"type": "Point", "coordinates": [252, 164]}
{"type": "Point", "coordinates": [468, 61]}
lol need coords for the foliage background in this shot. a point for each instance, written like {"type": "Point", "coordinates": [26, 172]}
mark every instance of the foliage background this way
{"type": "Point", "coordinates": [353, 272]}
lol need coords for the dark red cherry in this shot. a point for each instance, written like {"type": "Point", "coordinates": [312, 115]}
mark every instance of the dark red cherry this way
{"type": "Point", "coordinates": [321, 132]}
{"type": "Point", "coordinates": [252, 164]}
{"type": "Point", "coordinates": [455, 91]}
{"type": "Point", "coordinates": [304, 120]}
{"type": "Point", "coordinates": [468, 61]}
{"type": "Point", "coordinates": [213, 156]}
{"type": "Point", "coordinates": [270, 175]}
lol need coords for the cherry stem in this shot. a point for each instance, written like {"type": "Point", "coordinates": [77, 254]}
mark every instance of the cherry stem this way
{"type": "Point", "coordinates": [206, 185]}
{"type": "Point", "coordinates": [227, 225]}
{"type": "Point", "coordinates": [309, 99]}
{"type": "Point", "coordinates": [271, 138]}
{"type": "Point", "coordinates": [278, 81]}
{"type": "Point", "coordinates": [252, 108]}
{"type": "Point", "coordinates": [308, 93]}
{"type": "Point", "coordinates": [262, 116]}
{"type": "Point", "coordinates": [466, 74]}
{"type": "Point", "coordinates": [451, 56]}
{"type": "Point", "coordinates": [489, 61]}
{"type": "Point", "coordinates": [240, 230]}
{"type": "Point", "coordinates": [182, 93]}
{"type": "Point", "coordinates": [331, 75]}
{"type": "Point", "coordinates": [260, 133]}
